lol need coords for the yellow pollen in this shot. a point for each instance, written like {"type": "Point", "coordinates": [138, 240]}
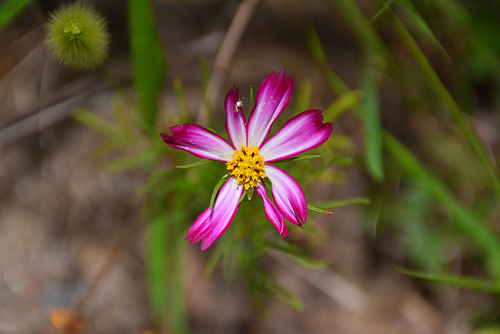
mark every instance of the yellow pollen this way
{"type": "Point", "coordinates": [247, 166]}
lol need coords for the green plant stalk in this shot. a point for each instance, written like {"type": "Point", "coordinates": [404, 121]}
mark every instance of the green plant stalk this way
{"type": "Point", "coordinates": [9, 9]}
{"type": "Point", "coordinates": [318, 55]}
{"type": "Point", "coordinates": [343, 103]}
{"type": "Point", "coordinates": [148, 60]}
{"type": "Point", "coordinates": [464, 282]}
{"type": "Point", "coordinates": [456, 113]}
{"type": "Point", "coordinates": [463, 220]}
{"type": "Point", "coordinates": [337, 203]}
{"type": "Point", "coordinates": [165, 270]}
{"type": "Point", "coordinates": [369, 112]}
{"type": "Point", "coordinates": [353, 17]}
{"type": "Point", "coordinates": [176, 310]}
{"type": "Point", "coordinates": [373, 126]}
{"type": "Point", "coordinates": [155, 265]}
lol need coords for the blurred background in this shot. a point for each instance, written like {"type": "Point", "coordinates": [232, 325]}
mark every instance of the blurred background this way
{"type": "Point", "coordinates": [93, 212]}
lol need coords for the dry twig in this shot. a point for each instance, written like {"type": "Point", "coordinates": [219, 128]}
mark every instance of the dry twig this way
{"type": "Point", "coordinates": [225, 55]}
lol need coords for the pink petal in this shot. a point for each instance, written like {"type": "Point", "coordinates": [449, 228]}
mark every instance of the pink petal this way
{"type": "Point", "coordinates": [272, 213]}
{"type": "Point", "coordinates": [199, 141]}
{"type": "Point", "coordinates": [301, 133]}
{"type": "Point", "coordinates": [288, 195]}
{"type": "Point", "coordinates": [198, 229]}
{"type": "Point", "coordinates": [210, 224]}
{"type": "Point", "coordinates": [272, 98]}
{"type": "Point", "coordinates": [235, 120]}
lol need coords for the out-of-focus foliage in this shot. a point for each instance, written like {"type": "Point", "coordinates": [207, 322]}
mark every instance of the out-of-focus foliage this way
{"type": "Point", "coordinates": [412, 211]}
{"type": "Point", "coordinates": [9, 9]}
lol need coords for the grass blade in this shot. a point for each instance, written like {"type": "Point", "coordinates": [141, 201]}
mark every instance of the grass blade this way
{"type": "Point", "coordinates": [9, 9]}
{"type": "Point", "coordinates": [373, 128]}
{"type": "Point", "coordinates": [148, 61]}
{"type": "Point", "coordinates": [346, 101]}
{"type": "Point", "coordinates": [194, 164]}
{"type": "Point", "coordinates": [464, 221]}
{"type": "Point", "coordinates": [337, 203]}
{"type": "Point", "coordinates": [463, 282]}
{"type": "Point", "coordinates": [455, 111]}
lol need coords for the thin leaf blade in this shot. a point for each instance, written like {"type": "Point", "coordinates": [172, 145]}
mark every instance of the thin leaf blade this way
{"type": "Point", "coordinates": [148, 61]}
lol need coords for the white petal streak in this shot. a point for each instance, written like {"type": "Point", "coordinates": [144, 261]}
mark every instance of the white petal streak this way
{"type": "Point", "coordinates": [301, 133]}
{"type": "Point", "coordinates": [288, 195]}
{"type": "Point", "coordinates": [199, 141]}
{"type": "Point", "coordinates": [272, 212]}
{"type": "Point", "coordinates": [272, 97]}
{"type": "Point", "coordinates": [211, 225]}
{"type": "Point", "coordinates": [235, 120]}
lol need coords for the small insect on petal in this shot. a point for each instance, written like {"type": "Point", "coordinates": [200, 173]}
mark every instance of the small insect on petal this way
{"type": "Point", "coordinates": [237, 105]}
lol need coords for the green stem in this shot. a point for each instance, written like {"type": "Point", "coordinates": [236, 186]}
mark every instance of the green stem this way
{"type": "Point", "coordinates": [463, 219]}
{"type": "Point", "coordinates": [456, 113]}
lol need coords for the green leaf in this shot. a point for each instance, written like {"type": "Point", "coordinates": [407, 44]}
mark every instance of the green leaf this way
{"type": "Point", "coordinates": [487, 330]}
{"type": "Point", "coordinates": [216, 190]}
{"type": "Point", "coordinates": [373, 128]}
{"type": "Point", "coordinates": [9, 9]}
{"type": "Point", "coordinates": [300, 157]}
{"type": "Point", "coordinates": [284, 296]}
{"type": "Point", "coordinates": [144, 160]}
{"type": "Point", "coordinates": [297, 255]}
{"type": "Point", "coordinates": [120, 115]}
{"type": "Point", "coordinates": [385, 7]}
{"type": "Point", "coordinates": [195, 164]}
{"type": "Point", "coordinates": [313, 208]}
{"type": "Point", "coordinates": [317, 53]}
{"type": "Point", "coordinates": [364, 33]}
{"type": "Point", "coordinates": [155, 264]}
{"type": "Point", "coordinates": [460, 281]}
{"type": "Point", "coordinates": [456, 113]}
{"type": "Point", "coordinates": [422, 28]}
{"type": "Point", "coordinates": [465, 222]}
{"type": "Point", "coordinates": [96, 122]}
{"type": "Point", "coordinates": [148, 61]}
{"type": "Point", "coordinates": [164, 268]}
{"type": "Point", "coordinates": [343, 202]}
{"type": "Point", "coordinates": [158, 182]}
{"type": "Point", "coordinates": [231, 262]}
{"type": "Point", "coordinates": [344, 102]}
{"type": "Point", "coordinates": [221, 249]}
{"type": "Point", "coordinates": [250, 107]}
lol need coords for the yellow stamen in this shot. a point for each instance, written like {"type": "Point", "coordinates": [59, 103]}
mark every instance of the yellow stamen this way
{"type": "Point", "coordinates": [247, 166]}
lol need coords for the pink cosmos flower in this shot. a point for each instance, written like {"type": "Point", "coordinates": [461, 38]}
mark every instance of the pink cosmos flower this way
{"type": "Point", "coordinates": [248, 158]}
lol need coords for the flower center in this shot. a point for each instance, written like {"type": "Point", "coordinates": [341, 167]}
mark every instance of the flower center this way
{"type": "Point", "coordinates": [247, 166]}
{"type": "Point", "coordinates": [72, 31]}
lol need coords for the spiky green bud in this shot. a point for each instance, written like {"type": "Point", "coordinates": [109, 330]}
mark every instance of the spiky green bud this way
{"type": "Point", "coordinates": [77, 36]}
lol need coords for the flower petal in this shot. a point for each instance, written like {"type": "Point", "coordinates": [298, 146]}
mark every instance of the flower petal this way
{"type": "Point", "coordinates": [272, 97]}
{"type": "Point", "coordinates": [235, 120]}
{"type": "Point", "coordinates": [199, 141]}
{"type": "Point", "coordinates": [198, 230]}
{"type": "Point", "coordinates": [272, 213]}
{"type": "Point", "coordinates": [301, 133]}
{"type": "Point", "coordinates": [210, 224]}
{"type": "Point", "coordinates": [288, 195]}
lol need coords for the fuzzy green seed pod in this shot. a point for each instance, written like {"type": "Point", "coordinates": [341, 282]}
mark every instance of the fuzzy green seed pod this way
{"type": "Point", "coordinates": [77, 36]}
